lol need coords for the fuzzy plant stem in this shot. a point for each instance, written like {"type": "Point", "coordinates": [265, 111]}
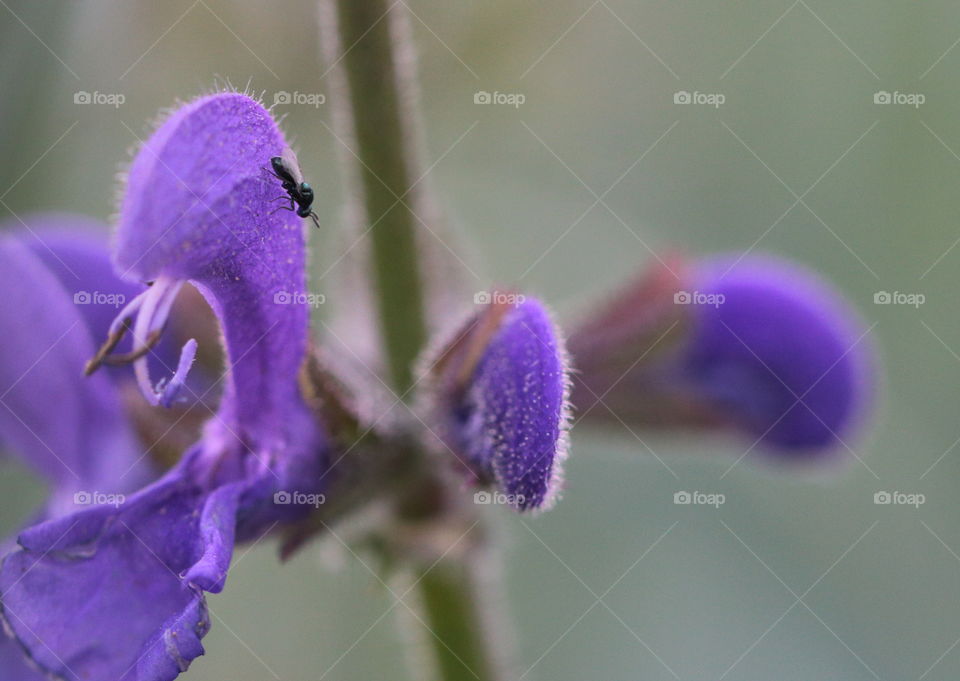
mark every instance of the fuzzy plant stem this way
{"type": "Point", "coordinates": [450, 594]}
{"type": "Point", "coordinates": [370, 64]}
{"type": "Point", "coordinates": [371, 77]}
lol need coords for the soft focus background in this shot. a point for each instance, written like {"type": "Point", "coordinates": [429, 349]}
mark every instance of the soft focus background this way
{"type": "Point", "coordinates": [795, 576]}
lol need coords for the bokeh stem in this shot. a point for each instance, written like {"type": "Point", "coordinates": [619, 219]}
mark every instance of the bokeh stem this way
{"type": "Point", "coordinates": [370, 62]}
{"type": "Point", "coordinates": [450, 593]}
{"type": "Point", "coordinates": [371, 75]}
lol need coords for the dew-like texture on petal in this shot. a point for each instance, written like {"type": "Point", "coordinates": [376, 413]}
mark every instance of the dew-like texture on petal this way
{"type": "Point", "coordinates": [200, 206]}
{"type": "Point", "coordinates": [513, 415]}
{"type": "Point", "coordinates": [116, 592]}
{"type": "Point", "coordinates": [68, 428]}
{"type": "Point", "coordinates": [783, 353]}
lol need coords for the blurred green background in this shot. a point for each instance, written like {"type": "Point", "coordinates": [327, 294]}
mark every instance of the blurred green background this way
{"type": "Point", "coordinates": [715, 594]}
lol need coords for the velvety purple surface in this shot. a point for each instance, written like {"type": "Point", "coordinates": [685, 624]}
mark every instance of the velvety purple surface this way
{"type": "Point", "coordinates": [74, 250]}
{"type": "Point", "coordinates": [69, 430]}
{"type": "Point", "coordinates": [117, 582]}
{"type": "Point", "coordinates": [513, 416]}
{"type": "Point", "coordinates": [199, 206]}
{"type": "Point", "coordinates": [116, 592]}
{"type": "Point", "coordinates": [783, 353]}
{"type": "Point", "coordinates": [84, 445]}
{"type": "Point", "coordinates": [14, 664]}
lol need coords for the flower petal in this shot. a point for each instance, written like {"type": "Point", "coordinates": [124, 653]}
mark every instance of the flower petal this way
{"type": "Point", "coordinates": [116, 592]}
{"type": "Point", "coordinates": [14, 665]}
{"type": "Point", "coordinates": [74, 249]}
{"type": "Point", "coordinates": [200, 206]}
{"type": "Point", "coordinates": [69, 429]}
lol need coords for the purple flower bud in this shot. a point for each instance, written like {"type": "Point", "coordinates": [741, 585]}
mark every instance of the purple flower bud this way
{"type": "Point", "coordinates": [500, 401]}
{"type": "Point", "coordinates": [759, 344]}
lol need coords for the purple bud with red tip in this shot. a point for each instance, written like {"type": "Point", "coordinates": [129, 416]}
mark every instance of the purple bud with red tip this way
{"type": "Point", "coordinates": [759, 344]}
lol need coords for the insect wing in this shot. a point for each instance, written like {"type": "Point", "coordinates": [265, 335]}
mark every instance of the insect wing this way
{"type": "Point", "coordinates": [291, 165]}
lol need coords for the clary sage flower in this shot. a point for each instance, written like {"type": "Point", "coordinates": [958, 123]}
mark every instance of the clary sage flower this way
{"type": "Point", "coordinates": [117, 591]}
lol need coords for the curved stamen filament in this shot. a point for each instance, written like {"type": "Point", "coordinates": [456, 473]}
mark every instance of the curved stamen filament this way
{"type": "Point", "coordinates": [151, 309]}
{"type": "Point", "coordinates": [128, 357]}
{"type": "Point", "coordinates": [113, 340]}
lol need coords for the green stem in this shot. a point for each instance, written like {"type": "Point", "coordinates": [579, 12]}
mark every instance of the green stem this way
{"type": "Point", "coordinates": [373, 88]}
{"type": "Point", "coordinates": [377, 113]}
{"type": "Point", "coordinates": [449, 594]}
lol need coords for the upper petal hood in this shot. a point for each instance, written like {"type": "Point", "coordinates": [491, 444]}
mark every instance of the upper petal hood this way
{"type": "Point", "coordinates": [200, 207]}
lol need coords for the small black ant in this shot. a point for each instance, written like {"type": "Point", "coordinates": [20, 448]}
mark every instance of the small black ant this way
{"type": "Point", "coordinates": [287, 170]}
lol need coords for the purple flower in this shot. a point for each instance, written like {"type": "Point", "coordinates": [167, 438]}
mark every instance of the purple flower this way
{"type": "Point", "coordinates": [759, 344]}
{"type": "Point", "coordinates": [85, 448]}
{"type": "Point", "coordinates": [499, 397]}
{"type": "Point", "coordinates": [116, 592]}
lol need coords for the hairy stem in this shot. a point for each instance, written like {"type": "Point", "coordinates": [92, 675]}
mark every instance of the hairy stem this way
{"type": "Point", "coordinates": [450, 594]}
{"type": "Point", "coordinates": [370, 63]}
{"type": "Point", "coordinates": [373, 87]}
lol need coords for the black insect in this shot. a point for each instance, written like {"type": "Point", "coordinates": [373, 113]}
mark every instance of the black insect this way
{"type": "Point", "coordinates": [287, 170]}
